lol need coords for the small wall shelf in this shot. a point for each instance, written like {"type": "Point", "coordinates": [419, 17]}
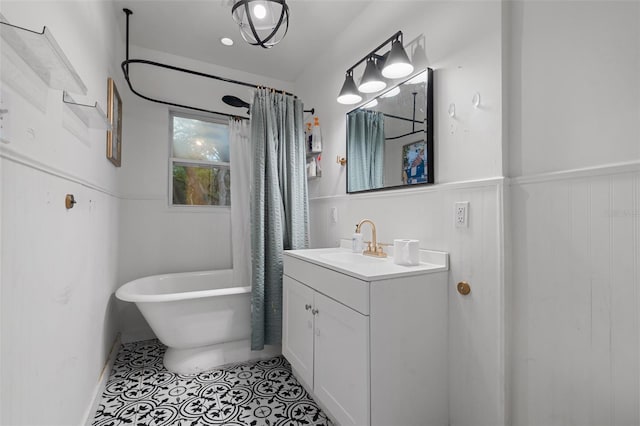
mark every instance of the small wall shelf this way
{"type": "Point", "coordinates": [41, 53]}
{"type": "Point", "coordinates": [91, 115]}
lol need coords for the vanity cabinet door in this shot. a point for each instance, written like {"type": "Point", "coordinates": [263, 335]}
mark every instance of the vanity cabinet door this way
{"type": "Point", "coordinates": [342, 361]}
{"type": "Point", "coordinates": [297, 328]}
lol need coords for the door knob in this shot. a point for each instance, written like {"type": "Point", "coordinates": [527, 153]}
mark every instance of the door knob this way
{"type": "Point", "coordinates": [464, 288]}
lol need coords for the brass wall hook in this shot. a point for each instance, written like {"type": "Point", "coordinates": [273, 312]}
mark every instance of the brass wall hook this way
{"type": "Point", "coordinates": [69, 201]}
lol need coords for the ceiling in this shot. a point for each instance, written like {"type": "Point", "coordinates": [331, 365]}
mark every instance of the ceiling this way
{"type": "Point", "coordinates": [193, 28]}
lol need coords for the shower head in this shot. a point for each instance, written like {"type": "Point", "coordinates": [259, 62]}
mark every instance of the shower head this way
{"type": "Point", "coordinates": [236, 102]}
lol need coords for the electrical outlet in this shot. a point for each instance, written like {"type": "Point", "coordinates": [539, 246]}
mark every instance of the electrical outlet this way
{"type": "Point", "coordinates": [461, 214]}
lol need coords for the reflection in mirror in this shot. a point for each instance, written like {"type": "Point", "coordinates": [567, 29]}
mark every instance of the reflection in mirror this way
{"type": "Point", "coordinates": [390, 138]}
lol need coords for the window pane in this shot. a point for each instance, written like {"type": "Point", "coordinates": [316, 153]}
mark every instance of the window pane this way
{"type": "Point", "coordinates": [200, 140]}
{"type": "Point", "coordinates": [201, 186]}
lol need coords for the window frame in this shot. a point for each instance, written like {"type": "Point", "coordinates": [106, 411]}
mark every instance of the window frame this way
{"type": "Point", "coordinates": [197, 163]}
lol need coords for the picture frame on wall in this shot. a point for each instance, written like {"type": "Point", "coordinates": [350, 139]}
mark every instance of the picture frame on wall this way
{"type": "Point", "coordinates": [414, 163]}
{"type": "Point", "coordinates": [114, 116]}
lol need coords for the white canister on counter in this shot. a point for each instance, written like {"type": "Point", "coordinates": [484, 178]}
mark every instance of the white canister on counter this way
{"type": "Point", "coordinates": [406, 252]}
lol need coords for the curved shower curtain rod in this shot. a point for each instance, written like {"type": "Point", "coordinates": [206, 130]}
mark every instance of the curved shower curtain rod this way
{"type": "Point", "coordinates": [125, 71]}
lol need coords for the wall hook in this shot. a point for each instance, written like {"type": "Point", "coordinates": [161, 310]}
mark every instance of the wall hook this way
{"type": "Point", "coordinates": [69, 201]}
{"type": "Point", "coordinates": [341, 160]}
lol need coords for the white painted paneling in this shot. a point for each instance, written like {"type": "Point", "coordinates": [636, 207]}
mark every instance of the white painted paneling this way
{"type": "Point", "coordinates": [575, 338]}
{"type": "Point", "coordinates": [58, 276]}
{"type": "Point", "coordinates": [476, 354]}
{"type": "Point", "coordinates": [58, 266]}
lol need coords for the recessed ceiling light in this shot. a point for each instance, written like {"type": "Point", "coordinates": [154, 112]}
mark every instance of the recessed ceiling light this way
{"type": "Point", "coordinates": [226, 41]}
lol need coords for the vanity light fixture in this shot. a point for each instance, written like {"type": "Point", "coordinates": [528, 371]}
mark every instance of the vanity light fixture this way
{"type": "Point", "coordinates": [226, 41]}
{"type": "Point", "coordinates": [397, 64]}
{"type": "Point", "coordinates": [349, 92]}
{"type": "Point", "coordinates": [262, 23]}
{"type": "Point", "coordinates": [391, 64]}
{"type": "Point", "coordinates": [372, 80]}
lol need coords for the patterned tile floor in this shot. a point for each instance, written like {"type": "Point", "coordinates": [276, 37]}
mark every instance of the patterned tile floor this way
{"type": "Point", "coordinates": [140, 391]}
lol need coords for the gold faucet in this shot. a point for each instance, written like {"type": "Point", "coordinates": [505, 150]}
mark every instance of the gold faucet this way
{"type": "Point", "coordinates": [373, 248]}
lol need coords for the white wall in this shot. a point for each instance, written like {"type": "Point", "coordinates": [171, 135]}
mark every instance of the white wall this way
{"type": "Point", "coordinates": [575, 104]}
{"type": "Point", "coordinates": [463, 46]}
{"type": "Point", "coordinates": [574, 85]}
{"type": "Point", "coordinates": [58, 266]}
{"type": "Point", "coordinates": [156, 238]}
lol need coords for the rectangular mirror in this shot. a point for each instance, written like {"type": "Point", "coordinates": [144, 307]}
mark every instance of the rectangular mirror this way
{"type": "Point", "coordinates": [390, 138]}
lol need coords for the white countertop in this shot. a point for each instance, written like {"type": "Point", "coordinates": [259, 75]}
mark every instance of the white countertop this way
{"type": "Point", "coordinates": [370, 268]}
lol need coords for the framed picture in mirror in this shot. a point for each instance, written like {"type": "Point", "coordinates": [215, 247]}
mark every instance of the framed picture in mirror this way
{"type": "Point", "coordinates": [114, 116]}
{"type": "Point", "coordinates": [414, 163]}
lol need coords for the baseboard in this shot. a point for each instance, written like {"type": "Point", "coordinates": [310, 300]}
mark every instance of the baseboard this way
{"type": "Point", "coordinates": [102, 382]}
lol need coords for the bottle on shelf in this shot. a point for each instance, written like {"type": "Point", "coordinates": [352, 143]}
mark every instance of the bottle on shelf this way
{"type": "Point", "coordinates": [316, 136]}
{"type": "Point", "coordinates": [318, 168]}
{"type": "Point", "coordinates": [311, 171]}
{"type": "Point", "coordinates": [308, 137]}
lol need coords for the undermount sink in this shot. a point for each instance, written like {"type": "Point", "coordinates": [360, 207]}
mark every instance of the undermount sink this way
{"type": "Point", "coordinates": [371, 268]}
{"type": "Point", "coordinates": [351, 258]}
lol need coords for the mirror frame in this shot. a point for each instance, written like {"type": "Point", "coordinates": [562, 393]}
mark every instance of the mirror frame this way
{"type": "Point", "coordinates": [428, 136]}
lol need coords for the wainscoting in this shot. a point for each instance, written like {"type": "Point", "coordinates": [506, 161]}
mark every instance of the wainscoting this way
{"type": "Point", "coordinates": [575, 337]}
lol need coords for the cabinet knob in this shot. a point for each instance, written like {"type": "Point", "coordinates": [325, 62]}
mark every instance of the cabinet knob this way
{"type": "Point", "coordinates": [314, 311]}
{"type": "Point", "coordinates": [307, 307]}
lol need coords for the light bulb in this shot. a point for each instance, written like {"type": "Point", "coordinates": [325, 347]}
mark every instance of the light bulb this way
{"type": "Point", "coordinates": [259, 11]}
{"type": "Point", "coordinates": [349, 99]}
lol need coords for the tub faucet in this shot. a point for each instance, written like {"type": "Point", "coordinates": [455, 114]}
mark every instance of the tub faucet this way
{"type": "Point", "coordinates": [373, 248]}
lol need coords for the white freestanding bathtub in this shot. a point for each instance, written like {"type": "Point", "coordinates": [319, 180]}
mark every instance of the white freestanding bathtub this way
{"type": "Point", "coordinates": [199, 316]}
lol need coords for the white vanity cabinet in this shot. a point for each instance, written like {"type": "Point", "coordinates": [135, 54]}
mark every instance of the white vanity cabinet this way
{"type": "Point", "coordinates": [371, 349]}
{"type": "Point", "coordinates": [327, 344]}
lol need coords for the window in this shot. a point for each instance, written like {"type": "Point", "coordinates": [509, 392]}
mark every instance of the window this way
{"type": "Point", "coordinates": [199, 161]}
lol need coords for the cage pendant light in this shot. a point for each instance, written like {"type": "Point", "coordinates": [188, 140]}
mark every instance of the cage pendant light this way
{"type": "Point", "coordinates": [262, 23]}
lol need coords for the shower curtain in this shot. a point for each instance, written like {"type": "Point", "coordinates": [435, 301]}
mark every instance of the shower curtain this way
{"type": "Point", "coordinates": [240, 157]}
{"type": "Point", "coordinates": [280, 207]}
{"type": "Point", "coordinates": [366, 150]}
